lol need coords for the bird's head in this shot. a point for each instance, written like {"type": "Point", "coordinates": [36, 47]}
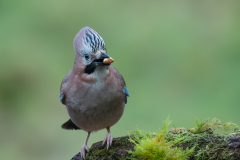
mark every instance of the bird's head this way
{"type": "Point", "coordinates": [90, 49]}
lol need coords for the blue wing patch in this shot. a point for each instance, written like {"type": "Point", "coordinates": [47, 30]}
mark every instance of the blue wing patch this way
{"type": "Point", "coordinates": [60, 96]}
{"type": "Point", "coordinates": [126, 93]}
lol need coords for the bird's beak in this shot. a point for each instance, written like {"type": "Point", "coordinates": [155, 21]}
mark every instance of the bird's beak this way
{"type": "Point", "coordinates": [99, 61]}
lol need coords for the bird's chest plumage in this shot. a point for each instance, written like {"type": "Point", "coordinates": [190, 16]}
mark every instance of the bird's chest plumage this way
{"type": "Point", "coordinates": [95, 106]}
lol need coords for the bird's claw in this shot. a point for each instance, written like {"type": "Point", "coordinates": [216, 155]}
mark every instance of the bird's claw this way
{"type": "Point", "coordinates": [108, 139]}
{"type": "Point", "coordinates": [83, 151]}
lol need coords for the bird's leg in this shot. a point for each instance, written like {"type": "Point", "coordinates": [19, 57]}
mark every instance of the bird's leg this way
{"type": "Point", "coordinates": [85, 147]}
{"type": "Point", "coordinates": [108, 138]}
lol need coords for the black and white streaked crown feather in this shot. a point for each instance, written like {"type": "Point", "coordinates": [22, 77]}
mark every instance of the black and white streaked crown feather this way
{"type": "Point", "coordinates": [94, 40]}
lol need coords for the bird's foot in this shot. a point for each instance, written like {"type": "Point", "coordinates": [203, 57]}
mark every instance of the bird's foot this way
{"type": "Point", "coordinates": [108, 139]}
{"type": "Point", "coordinates": [83, 151]}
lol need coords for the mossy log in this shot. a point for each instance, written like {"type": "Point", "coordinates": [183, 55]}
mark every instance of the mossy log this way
{"type": "Point", "coordinates": [118, 150]}
{"type": "Point", "coordinates": [207, 146]}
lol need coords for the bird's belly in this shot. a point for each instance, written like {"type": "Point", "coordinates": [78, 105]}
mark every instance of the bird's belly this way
{"type": "Point", "coordinates": [97, 113]}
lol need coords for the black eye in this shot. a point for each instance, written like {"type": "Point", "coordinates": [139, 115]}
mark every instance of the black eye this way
{"type": "Point", "coordinates": [86, 56]}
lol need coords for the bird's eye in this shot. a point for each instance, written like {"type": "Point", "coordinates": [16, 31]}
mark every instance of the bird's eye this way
{"type": "Point", "coordinates": [86, 56]}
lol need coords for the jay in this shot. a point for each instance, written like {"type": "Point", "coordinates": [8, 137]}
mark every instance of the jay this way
{"type": "Point", "coordinates": [94, 93]}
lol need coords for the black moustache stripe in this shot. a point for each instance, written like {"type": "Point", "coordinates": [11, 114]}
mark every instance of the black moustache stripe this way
{"type": "Point", "coordinates": [90, 68]}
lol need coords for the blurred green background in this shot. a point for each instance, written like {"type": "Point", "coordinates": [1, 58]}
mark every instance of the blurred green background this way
{"type": "Point", "coordinates": [179, 59]}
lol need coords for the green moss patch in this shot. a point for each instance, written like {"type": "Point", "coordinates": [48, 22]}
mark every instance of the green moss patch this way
{"type": "Point", "coordinates": [196, 143]}
{"type": "Point", "coordinates": [158, 146]}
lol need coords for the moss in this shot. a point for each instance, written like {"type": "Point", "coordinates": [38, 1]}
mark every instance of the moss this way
{"type": "Point", "coordinates": [157, 147]}
{"type": "Point", "coordinates": [202, 142]}
{"type": "Point", "coordinates": [210, 125]}
{"type": "Point", "coordinates": [207, 146]}
{"type": "Point", "coordinates": [118, 150]}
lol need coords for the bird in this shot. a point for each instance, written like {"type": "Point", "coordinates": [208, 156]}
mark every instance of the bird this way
{"type": "Point", "coordinates": [93, 92]}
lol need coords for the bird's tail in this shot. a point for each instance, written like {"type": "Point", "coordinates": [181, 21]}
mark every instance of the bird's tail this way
{"type": "Point", "coordinates": [69, 125]}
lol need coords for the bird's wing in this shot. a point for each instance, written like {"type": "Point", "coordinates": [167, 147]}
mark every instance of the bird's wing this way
{"type": "Point", "coordinates": [69, 125]}
{"type": "Point", "coordinates": [63, 85]}
{"type": "Point", "coordinates": [122, 82]}
{"type": "Point", "coordinates": [126, 93]}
